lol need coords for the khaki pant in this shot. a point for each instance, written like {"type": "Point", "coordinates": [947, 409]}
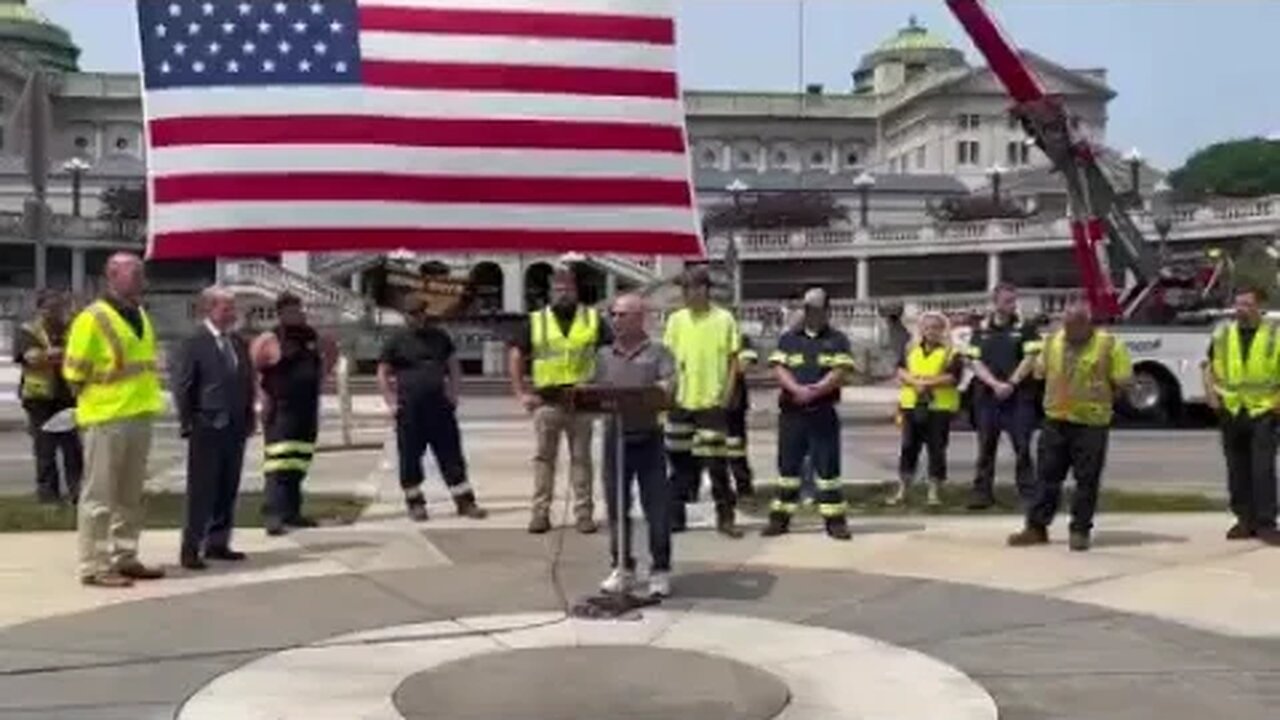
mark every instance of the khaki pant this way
{"type": "Point", "coordinates": [110, 517]}
{"type": "Point", "coordinates": [549, 422]}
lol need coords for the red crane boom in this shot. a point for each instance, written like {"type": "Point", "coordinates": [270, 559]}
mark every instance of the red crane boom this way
{"type": "Point", "coordinates": [1095, 211]}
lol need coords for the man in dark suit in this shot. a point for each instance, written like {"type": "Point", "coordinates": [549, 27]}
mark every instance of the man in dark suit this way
{"type": "Point", "coordinates": [213, 391]}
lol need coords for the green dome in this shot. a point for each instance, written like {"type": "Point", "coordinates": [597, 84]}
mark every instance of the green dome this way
{"type": "Point", "coordinates": [913, 37]}
{"type": "Point", "coordinates": [25, 32]}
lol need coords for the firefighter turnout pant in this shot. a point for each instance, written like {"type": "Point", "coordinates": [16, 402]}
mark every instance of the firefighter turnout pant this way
{"type": "Point", "coordinates": [289, 438]}
{"type": "Point", "coordinates": [812, 434]}
{"type": "Point", "coordinates": [735, 451]}
{"type": "Point", "coordinates": [695, 442]}
{"type": "Point", "coordinates": [432, 424]}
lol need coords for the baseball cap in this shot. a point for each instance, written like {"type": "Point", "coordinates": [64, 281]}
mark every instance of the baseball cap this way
{"type": "Point", "coordinates": [815, 297]}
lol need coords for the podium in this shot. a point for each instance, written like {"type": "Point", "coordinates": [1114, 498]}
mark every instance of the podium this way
{"type": "Point", "coordinates": [615, 403]}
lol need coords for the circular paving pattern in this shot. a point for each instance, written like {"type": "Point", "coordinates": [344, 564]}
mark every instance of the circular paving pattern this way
{"type": "Point", "coordinates": [571, 683]}
{"type": "Point", "coordinates": [399, 673]}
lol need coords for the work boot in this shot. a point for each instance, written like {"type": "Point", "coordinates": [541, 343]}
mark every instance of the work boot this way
{"type": "Point", "coordinates": [111, 580]}
{"type": "Point", "coordinates": [981, 501]}
{"type": "Point", "coordinates": [726, 523]}
{"type": "Point", "coordinates": [838, 529]}
{"type": "Point", "coordinates": [301, 522]}
{"type": "Point", "coordinates": [192, 561]}
{"type": "Point", "coordinates": [1078, 541]}
{"type": "Point", "coordinates": [586, 526]}
{"type": "Point", "coordinates": [540, 524]}
{"type": "Point", "coordinates": [1028, 536]}
{"type": "Point", "coordinates": [468, 508]}
{"type": "Point", "coordinates": [416, 505]}
{"type": "Point", "coordinates": [135, 570]}
{"type": "Point", "coordinates": [1269, 536]}
{"type": "Point", "coordinates": [779, 524]}
{"type": "Point", "coordinates": [1240, 531]}
{"type": "Point", "coordinates": [274, 526]}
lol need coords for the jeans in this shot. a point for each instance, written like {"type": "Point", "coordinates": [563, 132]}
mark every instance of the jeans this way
{"type": "Point", "coordinates": [643, 463]}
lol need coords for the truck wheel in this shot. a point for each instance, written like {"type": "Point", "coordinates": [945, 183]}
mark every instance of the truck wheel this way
{"type": "Point", "coordinates": [1151, 398]}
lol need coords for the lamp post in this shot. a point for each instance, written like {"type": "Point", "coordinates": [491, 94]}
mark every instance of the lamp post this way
{"type": "Point", "coordinates": [731, 261]}
{"type": "Point", "coordinates": [1162, 215]}
{"type": "Point", "coordinates": [996, 173]}
{"type": "Point", "coordinates": [1134, 158]}
{"type": "Point", "coordinates": [77, 167]}
{"type": "Point", "coordinates": [863, 184]}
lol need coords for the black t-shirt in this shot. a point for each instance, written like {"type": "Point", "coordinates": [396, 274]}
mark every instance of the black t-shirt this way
{"type": "Point", "coordinates": [1002, 348]}
{"type": "Point", "coordinates": [131, 313]}
{"type": "Point", "coordinates": [523, 338]}
{"type": "Point", "coordinates": [420, 360]}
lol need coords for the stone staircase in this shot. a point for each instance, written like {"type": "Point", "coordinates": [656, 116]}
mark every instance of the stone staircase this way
{"type": "Point", "coordinates": [328, 303]}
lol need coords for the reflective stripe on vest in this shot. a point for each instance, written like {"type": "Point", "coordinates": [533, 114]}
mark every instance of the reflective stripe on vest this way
{"type": "Point", "coordinates": [38, 383]}
{"type": "Point", "coordinates": [561, 359]}
{"type": "Point", "coordinates": [122, 383]}
{"type": "Point", "coordinates": [1081, 393]}
{"type": "Point", "coordinates": [932, 364]}
{"type": "Point", "coordinates": [1250, 384]}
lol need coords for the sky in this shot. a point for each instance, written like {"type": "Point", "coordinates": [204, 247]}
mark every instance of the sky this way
{"type": "Point", "coordinates": [1187, 72]}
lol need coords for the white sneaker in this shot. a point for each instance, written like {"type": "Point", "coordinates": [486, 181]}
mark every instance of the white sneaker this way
{"type": "Point", "coordinates": [899, 495]}
{"type": "Point", "coordinates": [935, 499]}
{"type": "Point", "coordinates": [660, 584]}
{"type": "Point", "coordinates": [618, 582]}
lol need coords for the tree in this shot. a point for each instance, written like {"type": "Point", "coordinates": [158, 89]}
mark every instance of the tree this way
{"type": "Point", "coordinates": [1237, 168]}
{"type": "Point", "coordinates": [1255, 268]}
{"type": "Point", "coordinates": [125, 207]}
{"type": "Point", "coordinates": [777, 210]}
{"type": "Point", "coordinates": [976, 207]}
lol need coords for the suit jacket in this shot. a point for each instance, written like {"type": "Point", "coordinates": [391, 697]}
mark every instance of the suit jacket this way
{"type": "Point", "coordinates": [208, 392]}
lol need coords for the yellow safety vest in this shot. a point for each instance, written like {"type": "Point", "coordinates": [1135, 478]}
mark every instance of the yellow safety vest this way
{"type": "Point", "coordinates": [115, 369]}
{"type": "Point", "coordinates": [1082, 393]}
{"type": "Point", "coordinates": [943, 397]}
{"type": "Point", "coordinates": [1250, 384]}
{"type": "Point", "coordinates": [560, 359]}
{"type": "Point", "coordinates": [38, 382]}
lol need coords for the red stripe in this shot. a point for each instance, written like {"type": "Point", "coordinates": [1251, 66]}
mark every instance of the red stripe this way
{"type": "Point", "coordinates": [256, 243]}
{"type": "Point", "coordinates": [388, 187]}
{"type": "Point", "coordinates": [377, 130]}
{"type": "Point", "coordinates": [521, 79]}
{"type": "Point", "coordinates": [624, 28]}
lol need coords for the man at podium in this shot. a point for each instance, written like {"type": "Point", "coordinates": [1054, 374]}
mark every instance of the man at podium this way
{"type": "Point", "coordinates": [633, 361]}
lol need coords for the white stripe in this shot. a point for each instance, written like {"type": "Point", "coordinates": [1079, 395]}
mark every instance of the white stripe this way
{"type": "Point", "coordinates": [418, 47]}
{"type": "Point", "coordinates": [392, 215]}
{"type": "Point", "coordinates": [276, 101]}
{"type": "Point", "coordinates": [417, 161]}
{"type": "Point", "coordinates": [642, 8]}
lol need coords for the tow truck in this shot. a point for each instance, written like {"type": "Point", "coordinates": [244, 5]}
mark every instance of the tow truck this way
{"type": "Point", "coordinates": [1166, 311]}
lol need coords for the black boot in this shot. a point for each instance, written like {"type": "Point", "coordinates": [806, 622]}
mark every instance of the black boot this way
{"type": "Point", "coordinates": [726, 523]}
{"type": "Point", "coordinates": [838, 529]}
{"type": "Point", "coordinates": [416, 504]}
{"type": "Point", "coordinates": [468, 508]}
{"type": "Point", "coordinates": [779, 524]}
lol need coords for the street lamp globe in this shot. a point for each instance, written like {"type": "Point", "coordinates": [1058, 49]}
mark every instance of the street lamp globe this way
{"type": "Point", "coordinates": [737, 186]}
{"type": "Point", "coordinates": [77, 165]}
{"type": "Point", "coordinates": [864, 181]}
{"type": "Point", "coordinates": [1133, 156]}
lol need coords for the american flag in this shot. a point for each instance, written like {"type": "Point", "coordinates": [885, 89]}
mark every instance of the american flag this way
{"type": "Point", "coordinates": [454, 125]}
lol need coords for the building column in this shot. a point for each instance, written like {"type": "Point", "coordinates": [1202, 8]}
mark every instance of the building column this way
{"type": "Point", "coordinates": [863, 286]}
{"type": "Point", "coordinates": [993, 270]}
{"type": "Point", "coordinates": [610, 285]}
{"type": "Point", "coordinates": [77, 270]}
{"type": "Point", "coordinates": [299, 262]}
{"type": "Point", "coordinates": [357, 282]}
{"type": "Point", "coordinates": [513, 285]}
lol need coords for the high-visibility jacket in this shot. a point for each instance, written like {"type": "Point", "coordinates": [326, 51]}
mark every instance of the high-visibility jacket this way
{"type": "Point", "coordinates": [1250, 384]}
{"type": "Point", "coordinates": [561, 359]}
{"type": "Point", "coordinates": [114, 367]}
{"type": "Point", "coordinates": [38, 383]}
{"type": "Point", "coordinates": [1083, 393]}
{"type": "Point", "coordinates": [702, 345]}
{"type": "Point", "coordinates": [930, 364]}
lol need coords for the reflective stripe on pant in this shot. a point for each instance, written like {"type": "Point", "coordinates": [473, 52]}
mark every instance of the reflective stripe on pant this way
{"type": "Point", "coordinates": [432, 425]}
{"type": "Point", "coordinates": [814, 435]}
{"type": "Point", "coordinates": [735, 446]}
{"type": "Point", "coordinates": [706, 430]}
{"type": "Point", "coordinates": [110, 513]}
{"type": "Point", "coordinates": [289, 439]}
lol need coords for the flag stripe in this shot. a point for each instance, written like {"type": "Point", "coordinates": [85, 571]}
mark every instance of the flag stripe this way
{"type": "Point", "coordinates": [521, 78]}
{"type": "Point", "coordinates": [251, 242]}
{"type": "Point", "coordinates": [408, 47]}
{"type": "Point", "coordinates": [171, 217]}
{"type": "Point", "coordinates": [346, 130]}
{"type": "Point", "coordinates": [373, 159]}
{"type": "Point", "coordinates": [627, 8]}
{"type": "Point", "coordinates": [308, 187]}
{"type": "Point", "coordinates": [300, 101]}
{"type": "Point", "coordinates": [625, 28]}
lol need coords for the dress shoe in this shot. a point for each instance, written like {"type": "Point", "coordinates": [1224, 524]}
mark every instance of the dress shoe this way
{"type": "Point", "coordinates": [135, 570]}
{"type": "Point", "coordinates": [1029, 536]}
{"type": "Point", "coordinates": [224, 553]}
{"type": "Point", "coordinates": [106, 580]}
{"type": "Point", "coordinates": [1079, 541]}
{"type": "Point", "coordinates": [539, 525]}
{"type": "Point", "coordinates": [1240, 531]}
{"type": "Point", "coordinates": [193, 562]}
{"type": "Point", "coordinates": [779, 524]}
{"type": "Point", "coordinates": [838, 529]}
{"type": "Point", "coordinates": [586, 526]}
{"type": "Point", "coordinates": [301, 521]}
{"type": "Point", "coordinates": [1269, 536]}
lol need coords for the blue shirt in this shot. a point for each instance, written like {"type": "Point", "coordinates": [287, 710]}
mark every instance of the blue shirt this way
{"type": "Point", "coordinates": [810, 356]}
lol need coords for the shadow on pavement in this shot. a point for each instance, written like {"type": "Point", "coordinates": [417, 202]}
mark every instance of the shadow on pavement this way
{"type": "Point", "coordinates": [724, 585]}
{"type": "Point", "coordinates": [1129, 538]}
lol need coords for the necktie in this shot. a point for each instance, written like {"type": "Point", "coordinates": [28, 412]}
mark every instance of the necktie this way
{"type": "Point", "coordinates": [228, 352]}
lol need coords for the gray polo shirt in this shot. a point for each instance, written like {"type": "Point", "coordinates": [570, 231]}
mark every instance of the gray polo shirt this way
{"type": "Point", "coordinates": [644, 366]}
